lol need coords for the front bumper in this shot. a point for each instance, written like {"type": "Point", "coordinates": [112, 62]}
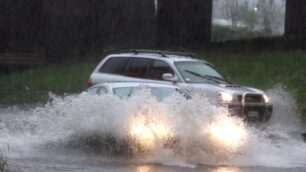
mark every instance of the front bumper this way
{"type": "Point", "coordinates": [257, 112]}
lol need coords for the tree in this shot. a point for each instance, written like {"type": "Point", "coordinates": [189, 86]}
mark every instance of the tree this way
{"type": "Point", "coordinates": [230, 11]}
{"type": "Point", "coordinates": [271, 14]}
{"type": "Point", "coordinates": [251, 19]}
{"type": "Point", "coordinates": [243, 10]}
{"type": "Point", "coordinates": [266, 9]}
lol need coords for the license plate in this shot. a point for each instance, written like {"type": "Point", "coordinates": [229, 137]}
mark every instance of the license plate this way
{"type": "Point", "coordinates": [253, 113]}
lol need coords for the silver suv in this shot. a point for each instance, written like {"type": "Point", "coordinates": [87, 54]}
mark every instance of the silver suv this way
{"type": "Point", "coordinates": [187, 72]}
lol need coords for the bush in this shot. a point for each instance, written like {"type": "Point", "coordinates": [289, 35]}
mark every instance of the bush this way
{"type": "Point", "coordinates": [222, 33]}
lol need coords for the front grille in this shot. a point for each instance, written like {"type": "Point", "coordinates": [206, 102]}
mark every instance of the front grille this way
{"type": "Point", "coordinates": [253, 98]}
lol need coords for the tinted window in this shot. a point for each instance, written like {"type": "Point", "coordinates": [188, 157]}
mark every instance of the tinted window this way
{"type": "Point", "coordinates": [138, 67]}
{"type": "Point", "coordinates": [158, 69]}
{"type": "Point", "coordinates": [114, 65]}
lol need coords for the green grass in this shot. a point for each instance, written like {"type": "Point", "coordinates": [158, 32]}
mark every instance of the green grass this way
{"type": "Point", "coordinates": [34, 85]}
{"type": "Point", "coordinates": [262, 70]}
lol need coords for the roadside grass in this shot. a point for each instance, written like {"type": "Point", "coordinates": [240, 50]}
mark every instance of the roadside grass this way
{"type": "Point", "coordinates": [262, 70]}
{"type": "Point", "coordinates": [33, 86]}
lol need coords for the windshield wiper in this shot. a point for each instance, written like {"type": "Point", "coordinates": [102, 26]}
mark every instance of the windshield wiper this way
{"type": "Point", "coordinates": [207, 77]}
{"type": "Point", "coordinates": [218, 78]}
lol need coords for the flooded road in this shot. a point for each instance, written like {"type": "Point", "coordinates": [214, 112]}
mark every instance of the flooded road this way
{"type": "Point", "coordinates": [103, 133]}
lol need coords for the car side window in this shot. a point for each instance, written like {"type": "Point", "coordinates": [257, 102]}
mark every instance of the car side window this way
{"type": "Point", "coordinates": [114, 65]}
{"type": "Point", "coordinates": [138, 67]}
{"type": "Point", "coordinates": [92, 90]}
{"type": "Point", "coordinates": [100, 90]}
{"type": "Point", "coordinates": [123, 92]}
{"type": "Point", "coordinates": [158, 69]}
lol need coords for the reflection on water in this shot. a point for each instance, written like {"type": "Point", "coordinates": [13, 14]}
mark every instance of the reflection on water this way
{"type": "Point", "coordinates": [226, 169]}
{"type": "Point", "coordinates": [150, 168]}
{"type": "Point", "coordinates": [144, 168]}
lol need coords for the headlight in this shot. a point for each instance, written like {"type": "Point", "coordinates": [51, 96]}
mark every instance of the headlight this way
{"type": "Point", "coordinates": [266, 98]}
{"type": "Point", "coordinates": [225, 97]}
{"type": "Point", "coordinates": [227, 132]}
{"type": "Point", "coordinates": [146, 131]}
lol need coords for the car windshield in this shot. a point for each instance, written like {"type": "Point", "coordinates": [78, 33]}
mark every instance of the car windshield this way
{"type": "Point", "coordinates": [199, 72]}
{"type": "Point", "coordinates": [159, 93]}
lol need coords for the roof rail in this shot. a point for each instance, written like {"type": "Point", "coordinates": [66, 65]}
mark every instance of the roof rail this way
{"type": "Point", "coordinates": [160, 52]}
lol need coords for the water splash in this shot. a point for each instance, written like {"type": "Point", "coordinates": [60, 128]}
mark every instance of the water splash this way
{"type": "Point", "coordinates": [175, 131]}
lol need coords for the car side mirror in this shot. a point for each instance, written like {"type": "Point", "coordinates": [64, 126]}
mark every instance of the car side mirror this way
{"type": "Point", "coordinates": [169, 77]}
